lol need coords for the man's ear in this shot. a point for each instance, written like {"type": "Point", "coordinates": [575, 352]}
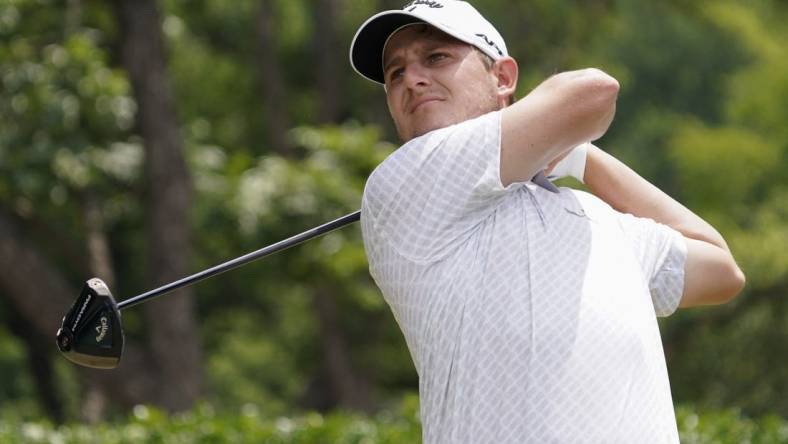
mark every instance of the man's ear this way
{"type": "Point", "coordinates": [506, 72]}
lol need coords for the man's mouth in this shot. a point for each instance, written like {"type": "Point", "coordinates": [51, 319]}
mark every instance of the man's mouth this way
{"type": "Point", "coordinates": [423, 101]}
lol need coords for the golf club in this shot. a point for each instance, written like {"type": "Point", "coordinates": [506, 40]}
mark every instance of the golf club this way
{"type": "Point", "coordinates": [91, 333]}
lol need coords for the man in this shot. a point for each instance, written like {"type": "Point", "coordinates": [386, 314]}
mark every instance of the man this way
{"type": "Point", "coordinates": [529, 311]}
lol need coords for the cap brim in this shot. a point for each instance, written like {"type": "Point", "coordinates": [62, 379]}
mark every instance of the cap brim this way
{"type": "Point", "coordinates": [366, 51]}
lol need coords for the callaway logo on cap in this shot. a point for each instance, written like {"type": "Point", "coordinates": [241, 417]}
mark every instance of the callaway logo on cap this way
{"type": "Point", "coordinates": [457, 18]}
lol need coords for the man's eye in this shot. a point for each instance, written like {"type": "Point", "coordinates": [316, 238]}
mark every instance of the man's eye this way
{"type": "Point", "coordinates": [436, 57]}
{"type": "Point", "coordinates": [396, 73]}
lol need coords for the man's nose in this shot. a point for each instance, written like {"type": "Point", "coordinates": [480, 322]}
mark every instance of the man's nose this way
{"type": "Point", "coordinates": [416, 76]}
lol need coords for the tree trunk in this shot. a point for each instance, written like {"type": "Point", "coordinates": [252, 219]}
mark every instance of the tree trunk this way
{"type": "Point", "coordinates": [171, 324]}
{"type": "Point", "coordinates": [95, 401]}
{"type": "Point", "coordinates": [29, 282]}
{"type": "Point", "coordinates": [99, 257]}
{"type": "Point", "coordinates": [39, 359]}
{"type": "Point", "coordinates": [73, 16]}
{"type": "Point", "coordinates": [328, 58]}
{"type": "Point", "coordinates": [345, 388]}
{"type": "Point", "coordinates": [272, 83]}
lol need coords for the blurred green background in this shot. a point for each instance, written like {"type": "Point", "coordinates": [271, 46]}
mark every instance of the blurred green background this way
{"type": "Point", "coordinates": [141, 141]}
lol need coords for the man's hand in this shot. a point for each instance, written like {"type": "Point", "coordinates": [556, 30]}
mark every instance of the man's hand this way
{"type": "Point", "coordinates": [711, 275]}
{"type": "Point", "coordinates": [571, 163]}
{"type": "Point", "coordinates": [548, 171]}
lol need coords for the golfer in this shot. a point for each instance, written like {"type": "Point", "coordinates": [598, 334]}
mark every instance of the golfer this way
{"type": "Point", "coordinates": [530, 311]}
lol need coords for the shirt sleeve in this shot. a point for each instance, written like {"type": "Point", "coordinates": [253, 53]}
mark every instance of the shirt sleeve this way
{"type": "Point", "coordinates": [430, 194]}
{"type": "Point", "coordinates": [662, 253]}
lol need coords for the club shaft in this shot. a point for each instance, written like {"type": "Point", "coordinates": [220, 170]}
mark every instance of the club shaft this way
{"type": "Point", "coordinates": [242, 260]}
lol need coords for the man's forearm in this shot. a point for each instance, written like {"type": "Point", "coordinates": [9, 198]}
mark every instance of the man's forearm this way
{"type": "Point", "coordinates": [623, 189]}
{"type": "Point", "coordinates": [566, 109]}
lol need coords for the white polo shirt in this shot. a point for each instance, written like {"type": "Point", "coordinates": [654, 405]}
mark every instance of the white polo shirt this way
{"type": "Point", "coordinates": [530, 315]}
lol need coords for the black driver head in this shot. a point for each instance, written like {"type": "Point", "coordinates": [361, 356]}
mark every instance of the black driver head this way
{"type": "Point", "coordinates": [91, 334]}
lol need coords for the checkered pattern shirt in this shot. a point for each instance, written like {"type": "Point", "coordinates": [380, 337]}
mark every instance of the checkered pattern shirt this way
{"type": "Point", "coordinates": [531, 316]}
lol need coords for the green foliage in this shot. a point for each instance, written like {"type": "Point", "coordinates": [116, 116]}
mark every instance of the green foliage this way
{"type": "Point", "coordinates": [715, 166]}
{"type": "Point", "coordinates": [204, 425]}
{"type": "Point", "coordinates": [65, 121]}
{"type": "Point", "coordinates": [401, 425]}
{"type": "Point", "coordinates": [262, 336]}
{"type": "Point", "coordinates": [729, 426]}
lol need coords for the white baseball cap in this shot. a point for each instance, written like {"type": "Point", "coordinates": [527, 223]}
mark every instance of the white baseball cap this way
{"type": "Point", "coordinates": [454, 17]}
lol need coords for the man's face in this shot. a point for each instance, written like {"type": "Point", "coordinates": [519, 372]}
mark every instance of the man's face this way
{"type": "Point", "coordinates": [434, 80]}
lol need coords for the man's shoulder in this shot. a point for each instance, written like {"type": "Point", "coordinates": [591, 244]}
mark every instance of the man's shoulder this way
{"type": "Point", "coordinates": [406, 160]}
{"type": "Point", "coordinates": [420, 146]}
